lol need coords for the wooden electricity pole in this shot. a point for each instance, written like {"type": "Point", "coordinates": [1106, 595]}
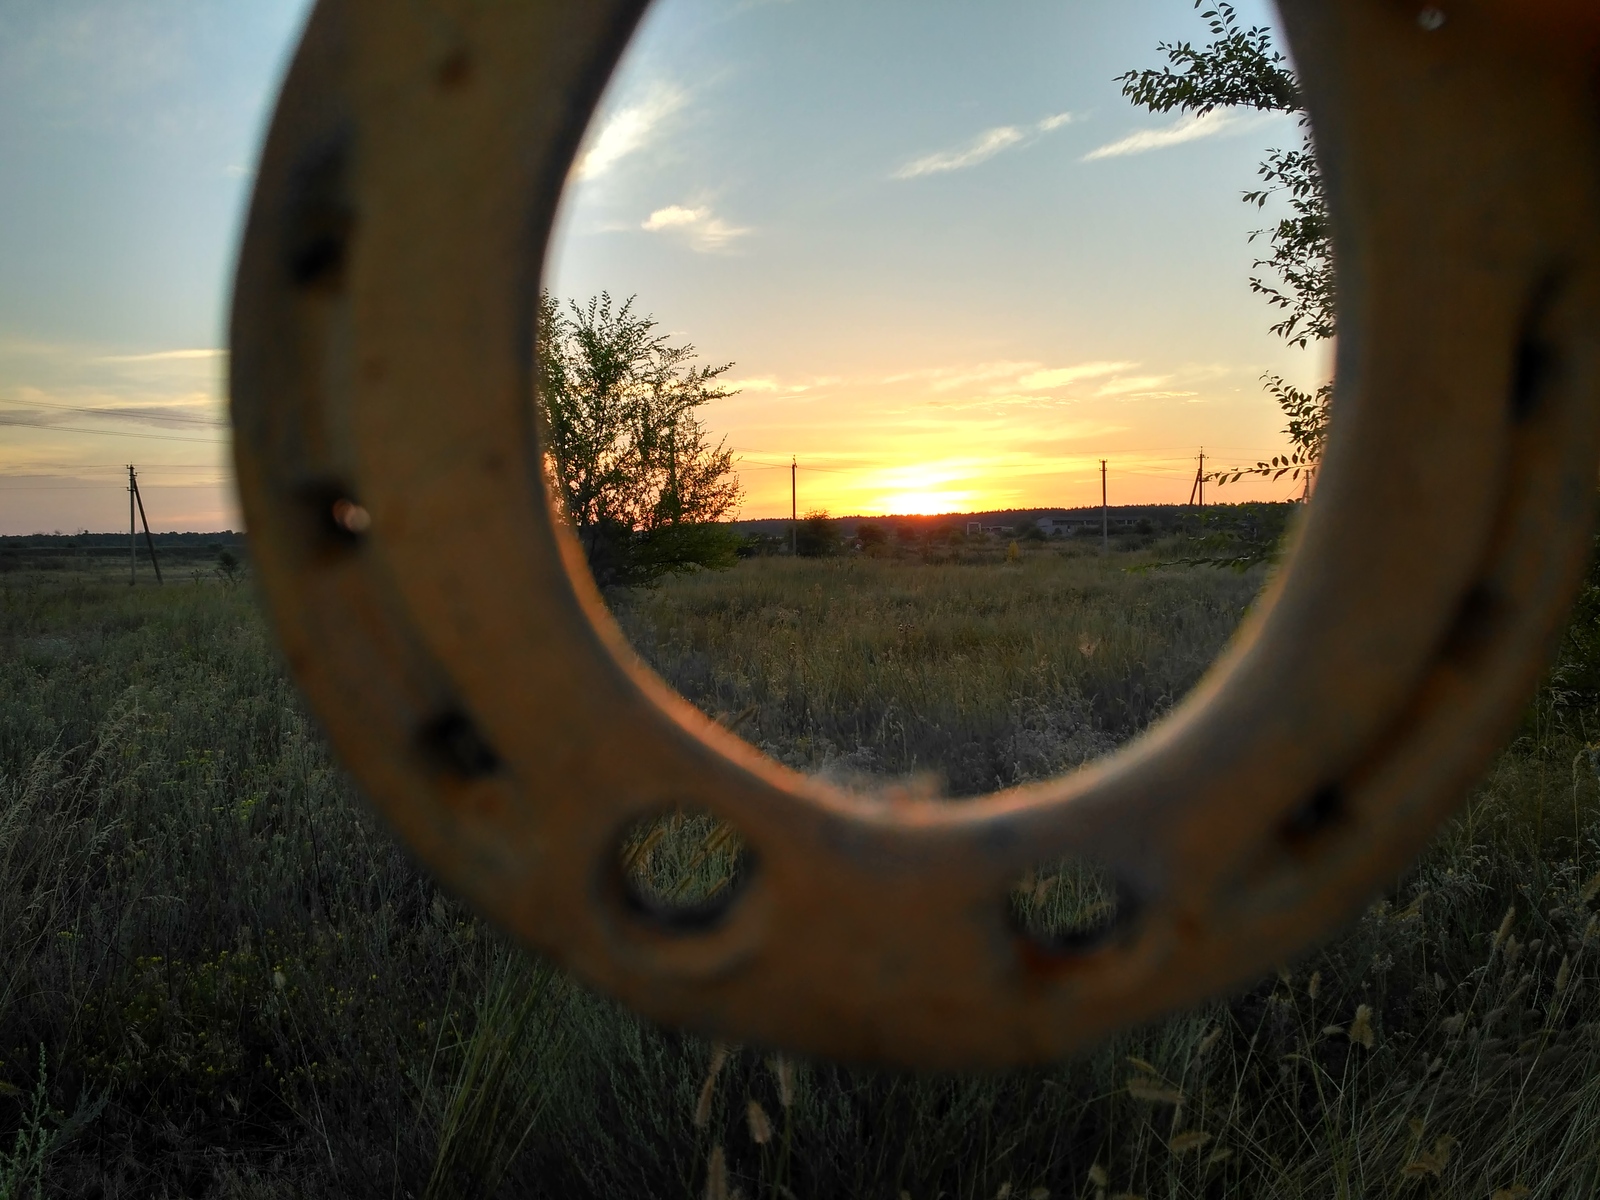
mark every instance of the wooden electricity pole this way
{"type": "Point", "coordinates": [794, 508]}
{"type": "Point", "coordinates": [133, 537]}
{"type": "Point", "coordinates": [133, 541]}
{"type": "Point", "coordinates": [1199, 488]}
{"type": "Point", "coordinates": [1105, 513]}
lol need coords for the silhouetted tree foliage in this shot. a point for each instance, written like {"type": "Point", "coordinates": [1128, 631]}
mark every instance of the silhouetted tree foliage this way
{"type": "Point", "coordinates": [817, 535]}
{"type": "Point", "coordinates": [1236, 536]}
{"type": "Point", "coordinates": [1241, 68]}
{"type": "Point", "coordinates": [638, 474]}
{"type": "Point", "coordinates": [871, 535]}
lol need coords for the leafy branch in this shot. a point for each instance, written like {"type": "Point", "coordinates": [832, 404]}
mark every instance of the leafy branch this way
{"type": "Point", "coordinates": [1241, 68]}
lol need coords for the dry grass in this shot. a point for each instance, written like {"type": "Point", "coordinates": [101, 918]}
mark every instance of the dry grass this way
{"type": "Point", "coordinates": [982, 674]}
{"type": "Point", "coordinates": [242, 987]}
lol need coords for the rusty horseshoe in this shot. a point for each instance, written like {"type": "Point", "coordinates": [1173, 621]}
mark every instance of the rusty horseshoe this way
{"type": "Point", "coordinates": [443, 626]}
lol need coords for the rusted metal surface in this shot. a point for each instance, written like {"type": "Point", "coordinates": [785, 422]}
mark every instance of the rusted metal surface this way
{"type": "Point", "coordinates": [466, 671]}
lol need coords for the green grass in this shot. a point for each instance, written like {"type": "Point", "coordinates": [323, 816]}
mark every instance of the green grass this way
{"type": "Point", "coordinates": [220, 976]}
{"type": "Point", "coordinates": [980, 674]}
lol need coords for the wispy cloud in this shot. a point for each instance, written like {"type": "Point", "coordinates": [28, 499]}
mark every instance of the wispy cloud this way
{"type": "Point", "coordinates": [982, 148]}
{"type": "Point", "coordinates": [1189, 128]}
{"type": "Point", "coordinates": [1135, 385]}
{"type": "Point", "coordinates": [36, 406]}
{"type": "Point", "coordinates": [672, 217]}
{"type": "Point", "coordinates": [1058, 377]}
{"type": "Point", "coordinates": [997, 387]}
{"type": "Point", "coordinates": [702, 228]}
{"type": "Point", "coordinates": [944, 379]}
{"type": "Point", "coordinates": [1007, 387]}
{"type": "Point", "coordinates": [627, 130]}
{"type": "Point", "coordinates": [772, 386]}
{"type": "Point", "coordinates": [763, 384]}
{"type": "Point", "coordinates": [1009, 379]}
{"type": "Point", "coordinates": [163, 356]}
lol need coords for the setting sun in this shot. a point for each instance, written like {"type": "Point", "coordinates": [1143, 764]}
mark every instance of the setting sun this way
{"type": "Point", "coordinates": [922, 503]}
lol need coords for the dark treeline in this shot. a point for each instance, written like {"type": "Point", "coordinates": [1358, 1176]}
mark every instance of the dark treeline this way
{"type": "Point", "coordinates": [96, 551]}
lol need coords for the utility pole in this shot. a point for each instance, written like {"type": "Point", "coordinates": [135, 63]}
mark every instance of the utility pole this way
{"type": "Point", "coordinates": [143, 520]}
{"type": "Point", "coordinates": [1199, 488]}
{"type": "Point", "coordinates": [794, 507]}
{"type": "Point", "coordinates": [1105, 513]}
{"type": "Point", "coordinates": [133, 538]}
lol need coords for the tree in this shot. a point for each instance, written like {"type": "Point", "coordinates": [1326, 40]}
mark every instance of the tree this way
{"type": "Point", "coordinates": [871, 536]}
{"type": "Point", "coordinates": [625, 450]}
{"type": "Point", "coordinates": [1241, 68]}
{"type": "Point", "coordinates": [817, 536]}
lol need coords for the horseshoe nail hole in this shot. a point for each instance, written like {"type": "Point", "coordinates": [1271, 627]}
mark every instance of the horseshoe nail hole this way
{"type": "Point", "coordinates": [350, 516]}
{"type": "Point", "coordinates": [1537, 363]}
{"type": "Point", "coordinates": [339, 520]}
{"type": "Point", "coordinates": [1535, 370]}
{"type": "Point", "coordinates": [1474, 627]}
{"type": "Point", "coordinates": [319, 259]}
{"type": "Point", "coordinates": [1070, 905]}
{"type": "Point", "coordinates": [453, 742]}
{"type": "Point", "coordinates": [1322, 810]}
{"type": "Point", "coordinates": [455, 70]}
{"type": "Point", "coordinates": [320, 220]}
{"type": "Point", "coordinates": [683, 871]}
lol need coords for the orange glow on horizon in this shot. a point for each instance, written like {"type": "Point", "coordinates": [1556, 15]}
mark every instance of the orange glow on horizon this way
{"type": "Point", "coordinates": [921, 504]}
{"type": "Point", "coordinates": [1005, 478]}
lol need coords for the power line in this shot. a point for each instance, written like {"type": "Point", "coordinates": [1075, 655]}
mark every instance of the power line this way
{"type": "Point", "coordinates": [108, 487]}
{"type": "Point", "coordinates": [156, 437]}
{"type": "Point", "coordinates": [47, 468]}
{"type": "Point", "coordinates": [122, 414]}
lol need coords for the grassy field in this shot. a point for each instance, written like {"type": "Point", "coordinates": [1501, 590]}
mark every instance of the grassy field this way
{"type": "Point", "coordinates": [220, 976]}
{"type": "Point", "coordinates": [978, 673]}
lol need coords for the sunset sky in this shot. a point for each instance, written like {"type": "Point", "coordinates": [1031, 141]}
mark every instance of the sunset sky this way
{"type": "Point", "coordinates": [954, 268]}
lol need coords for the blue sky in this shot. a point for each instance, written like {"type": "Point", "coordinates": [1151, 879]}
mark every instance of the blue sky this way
{"type": "Point", "coordinates": [953, 266]}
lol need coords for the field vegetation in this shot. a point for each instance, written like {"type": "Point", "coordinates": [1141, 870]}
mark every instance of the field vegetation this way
{"type": "Point", "coordinates": [950, 664]}
{"type": "Point", "coordinates": [221, 976]}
